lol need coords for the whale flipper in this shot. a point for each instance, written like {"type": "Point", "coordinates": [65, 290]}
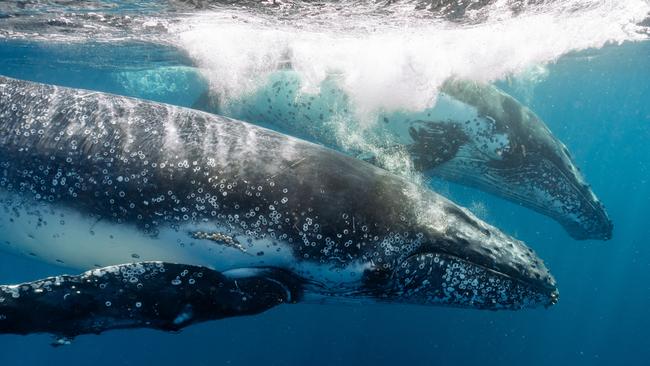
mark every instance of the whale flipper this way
{"type": "Point", "coordinates": [156, 295]}
{"type": "Point", "coordinates": [434, 143]}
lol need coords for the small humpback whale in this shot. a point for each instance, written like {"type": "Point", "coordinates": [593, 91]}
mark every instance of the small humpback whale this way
{"type": "Point", "coordinates": [183, 216]}
{"type": "Point", "coordinates": [156, 295]}
{"type": "Point", "coordinates": [474, 135]}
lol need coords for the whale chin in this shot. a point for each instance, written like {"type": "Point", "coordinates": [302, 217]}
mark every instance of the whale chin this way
{"type": "Point", "coordinates": [544, 188]}
{"type": "Point", "coordinates": [445, 280]}
{"type": "Point", "coordinates": [601, 230]}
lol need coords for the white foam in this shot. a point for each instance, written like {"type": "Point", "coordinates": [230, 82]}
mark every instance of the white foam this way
{"type": "Point", "coordinates": [398, 63]}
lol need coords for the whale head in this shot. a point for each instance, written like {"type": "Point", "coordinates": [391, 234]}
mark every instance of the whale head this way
{"type": "Point", "coordinates": [464, 262]}
{"type": "Point", "coordinates": [521, 160]}
{"type": "Point", "coordinates": [437, 278]}
{"type": "Point", "coordinates": [553, 184]}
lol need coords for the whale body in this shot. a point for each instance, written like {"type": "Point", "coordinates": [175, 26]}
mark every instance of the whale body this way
{"type": "Point", "coordinates": [94, 180]}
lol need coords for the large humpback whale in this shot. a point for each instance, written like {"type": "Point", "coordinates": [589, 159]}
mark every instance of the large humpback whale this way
{"type": "Point", "coordinates": [236, 218]}
{"type": "Point", "coordinates": [475, 135]}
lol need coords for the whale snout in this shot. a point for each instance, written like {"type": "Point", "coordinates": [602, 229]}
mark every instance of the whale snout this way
{"type": "Point", "coordinates": [475, 265]}
{"type": "Point", "coordinates": [592, 223]}
{"type": "Point", "coordinates": [551, 184]}
{"type": "Point", "coordinates": [442, 279]}
{"type": "Point", "coordinates": [571, 200]}
{"type": "Point", "coordinates": [585, 216]}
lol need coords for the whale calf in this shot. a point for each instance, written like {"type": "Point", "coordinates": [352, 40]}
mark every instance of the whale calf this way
{"type": "Point", "coordinates": [164, 296]}
{"type": "Point", "coordinates": [474, 135]}
{"type": "Point", "coordinates": [94, 180]}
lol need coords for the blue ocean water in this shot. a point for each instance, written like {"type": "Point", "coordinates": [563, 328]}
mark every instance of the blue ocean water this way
{"type": "Point", "coordinates": [597, 101]}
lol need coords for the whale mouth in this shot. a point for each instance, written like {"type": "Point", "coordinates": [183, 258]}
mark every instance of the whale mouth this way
{"type": "Point", "coordinates": [543, 186]}
{"type": "Point", "coordinates": [593, 222]}
{"type": "Point", "coordinates": [434, 278]}
{"type": "Point", "coordinates": [583, 215]}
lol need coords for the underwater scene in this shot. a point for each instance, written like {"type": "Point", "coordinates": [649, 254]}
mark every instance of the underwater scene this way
{"type": "Point", "coordinates": [331, 182]}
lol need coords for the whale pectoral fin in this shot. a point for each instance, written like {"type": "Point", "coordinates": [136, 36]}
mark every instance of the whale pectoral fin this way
{"type": "Point", "coordinates": [434, 143]}
{"type": "Point", "coordinates": [156, 295]}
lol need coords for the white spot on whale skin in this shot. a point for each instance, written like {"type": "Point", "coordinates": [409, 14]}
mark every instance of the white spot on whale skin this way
{"type": "Point", "coordinates": [62, 341]}
{"type": "Point", "coordinates": [13, 290]}
{"type": "Point", "coordinates": [184, 316]}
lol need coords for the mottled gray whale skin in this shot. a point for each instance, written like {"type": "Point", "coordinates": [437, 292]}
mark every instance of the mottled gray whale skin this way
{"type": "Point", "coordinates": [474, 135]}
{"type": "Point", "coordinates": [163, 296]}
{"type": "Point", "coordinates": [533, 168]}
{"type": "Point", "coordinates": [92, 180]}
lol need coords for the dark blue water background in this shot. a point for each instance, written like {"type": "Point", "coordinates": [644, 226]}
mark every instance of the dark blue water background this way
{"type": "Point", "coordinates": [597, 102]}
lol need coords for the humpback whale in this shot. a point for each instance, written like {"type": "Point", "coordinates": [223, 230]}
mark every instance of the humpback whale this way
{"type": "Point", "coordinates": [474, 135]}
{"type": "Point", "coordinates": [182, 216]}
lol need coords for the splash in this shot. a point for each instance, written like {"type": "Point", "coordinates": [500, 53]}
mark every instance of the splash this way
{"type": "Point", "coordinates": [479, 209]}
{"type": "Point", "coordinates": [385, 55]}
{"type": "Point", "coordinates": [399, 61]}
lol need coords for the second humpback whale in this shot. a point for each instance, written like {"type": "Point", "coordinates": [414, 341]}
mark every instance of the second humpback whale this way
{"type": "Point", "coordinates": [474, 135]}
{"type": "Point", "coordinates": [188, 216]}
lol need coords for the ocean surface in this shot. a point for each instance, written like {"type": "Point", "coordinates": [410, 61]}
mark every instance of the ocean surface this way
{"type": "Point", "coordinates": [582, 66]}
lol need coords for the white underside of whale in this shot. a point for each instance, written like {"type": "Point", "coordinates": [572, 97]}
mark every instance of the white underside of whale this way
{"type": "Point", "coordinates": [69, 238]}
